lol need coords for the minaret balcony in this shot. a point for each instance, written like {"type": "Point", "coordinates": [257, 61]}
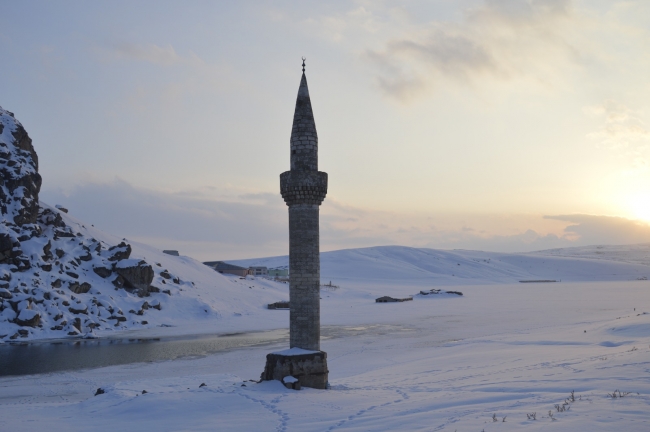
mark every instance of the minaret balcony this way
{"type": "Point", "coordinates": [303, 187]}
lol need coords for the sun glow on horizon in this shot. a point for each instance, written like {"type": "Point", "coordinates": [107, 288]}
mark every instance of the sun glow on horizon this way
{"type": "Point", "coordinates": [638, 206]}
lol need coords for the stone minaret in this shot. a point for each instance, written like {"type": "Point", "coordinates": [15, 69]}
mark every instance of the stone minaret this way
{"type": "Point", "coordinates": [304, 189]}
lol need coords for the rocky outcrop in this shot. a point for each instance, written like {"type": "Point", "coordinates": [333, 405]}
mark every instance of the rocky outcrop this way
{"type": "Point", "coordinates": [120, 252]}
{"type": "Point", "coordinates": [137, 275]}
{"type": "Point", "coordinates": [28, 318]}
{"type": "Point", "coordinates": [52, 273]}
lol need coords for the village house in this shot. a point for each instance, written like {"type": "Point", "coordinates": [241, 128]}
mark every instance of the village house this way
{"type": "Point", "coordinates": [259, 271]}
{"type": "Point", "coordinates": [225, 268]}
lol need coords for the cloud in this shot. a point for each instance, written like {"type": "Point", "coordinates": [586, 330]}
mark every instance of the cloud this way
{"type": "Point", "coordinates": [196, 222]}
{"type": "Point", "coordinates": [591, 229]}
{"type": "Point", "coordinates": [341, 27]}
{"type": "Point", "coordinates": [223, 224]}
{"type": "Point", "coordinates": [500, 39]}
{"type": "Point", "coordinates": [623, 127]}
{"type": "Point", "coordinates": [623, 131]}
{"type": "Point", "coordinates": [179, 77]}
{"type": "Point", "coordinates": [151, 53]}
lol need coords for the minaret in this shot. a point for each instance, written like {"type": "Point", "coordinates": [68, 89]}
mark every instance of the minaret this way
{"type": "Point", "coordinates": [304, 189]}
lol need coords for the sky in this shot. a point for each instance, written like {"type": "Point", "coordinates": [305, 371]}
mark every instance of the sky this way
{"type": "Point", "coordinates": [500, 125]}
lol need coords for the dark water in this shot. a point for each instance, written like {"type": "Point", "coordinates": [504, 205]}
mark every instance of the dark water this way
{"type": "Point", "coordinates": [61, 355]}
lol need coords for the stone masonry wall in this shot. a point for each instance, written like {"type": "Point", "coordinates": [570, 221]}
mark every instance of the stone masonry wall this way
{"type": "Point", "coordinates": [304, 287]}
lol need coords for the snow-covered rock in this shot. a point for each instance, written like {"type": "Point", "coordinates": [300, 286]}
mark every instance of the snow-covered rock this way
{"type": "Point", "coordinates": [21, 182]}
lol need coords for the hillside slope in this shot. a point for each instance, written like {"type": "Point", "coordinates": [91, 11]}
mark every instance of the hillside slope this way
{"type": "Point", "coordinates": [405, 265]}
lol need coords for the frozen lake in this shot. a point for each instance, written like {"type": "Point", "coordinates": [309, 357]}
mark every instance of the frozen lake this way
{"type": "Point", "coordinates": [76, 354]}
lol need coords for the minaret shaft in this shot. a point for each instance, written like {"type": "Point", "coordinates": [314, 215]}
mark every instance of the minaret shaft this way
{"type": "Point", "coordinates": [304, 285]}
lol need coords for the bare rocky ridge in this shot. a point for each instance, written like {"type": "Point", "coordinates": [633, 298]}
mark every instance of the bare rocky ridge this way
{"type": "Point", "coordinates": [52, 275]}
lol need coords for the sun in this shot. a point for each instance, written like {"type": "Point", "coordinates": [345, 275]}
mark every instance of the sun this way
{"type": "Point", "coordinates": [639, 206]}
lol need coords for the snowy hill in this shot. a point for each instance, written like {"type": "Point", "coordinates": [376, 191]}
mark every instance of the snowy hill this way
{"type": "Point", "coordinates": [413, 266]}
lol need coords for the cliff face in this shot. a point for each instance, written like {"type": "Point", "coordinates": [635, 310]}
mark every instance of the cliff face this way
{"type": "Point", "coordinates": [20, 182]}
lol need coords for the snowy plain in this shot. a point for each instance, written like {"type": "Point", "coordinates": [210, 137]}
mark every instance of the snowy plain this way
{"type": "Point", "coordinates": [439, 363]}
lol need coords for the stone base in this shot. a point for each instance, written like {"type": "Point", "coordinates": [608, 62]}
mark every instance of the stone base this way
{"type": "Point", "coordinates": [309, 368]}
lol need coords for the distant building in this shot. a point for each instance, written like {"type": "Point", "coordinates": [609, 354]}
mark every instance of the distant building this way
{"type": "Point", "coordinates": [171, 252]}
{"type": "Point", "coordinates": [223, 267]}
{"type": "Point", "coordinates": [259, 271]}
{"type": "Point", "coordinates": [277, 272]}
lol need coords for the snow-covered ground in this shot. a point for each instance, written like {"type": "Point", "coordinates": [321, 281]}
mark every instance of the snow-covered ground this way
{"type": "Point", "coordinates": [438, 363]}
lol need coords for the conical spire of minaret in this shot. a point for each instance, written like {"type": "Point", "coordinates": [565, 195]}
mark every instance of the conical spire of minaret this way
{"type": "Point", "coordinates": [304, 139]}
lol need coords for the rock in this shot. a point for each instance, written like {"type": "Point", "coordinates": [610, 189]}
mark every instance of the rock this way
{"type": "Point", "coordinates": [99, 391]}
{"type": "Point", "coordinates": [103, 271]}
{"type": "Point", "coordinates": [137, 275]}
{"type": "Point", "coordinates": [6, 246]}
{"type": "Point", "coordinates": [77, 324]}
{"type": "Point", "coordinates": [28, 318]}
{"type": "Point", "coordinates": [57, 283]}
{"type": "Point", "coordinates": [78, 309]}
{"type": "Point", "coordinates": [47, 267]}
{"type": "Point", "coordinates": [165, 274]}
{"type": "Point", "coordinates": [47, 251]}
{"type": "Point", "coordinates": [49, 218]}
{"type": "Point", "coordinates": [72, 274]}
{"type": "Point", "coordinates": [61, 208]}
{"type": "Point", "coordinates": [120, 252]}
{"type": "Point", "coordinates": [5, 294]}
{"type": "Point", "coordinates": [59, 253]}
{"type": "Point", "coordinates": [118, 282]}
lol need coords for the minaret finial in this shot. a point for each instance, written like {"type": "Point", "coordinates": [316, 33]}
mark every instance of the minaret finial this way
{"type": "Point", "coordinates": [303, 64]}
